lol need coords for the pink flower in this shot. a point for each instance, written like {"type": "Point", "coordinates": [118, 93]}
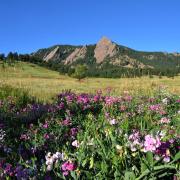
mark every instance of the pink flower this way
{"type": "Point", "coordinates": [151, 143]}
{"type": "Point", "coordinates": [155, 107]}
{"type": "Point", "coordinates": [24, 137]}
{"type": "Point", "coordinates": [109, 100]}
{"type": "Point", "coordinates": [65, 173]}
{"type": "Point", "coordinates": [128, 98]}
{"type": "Point", "coordinates": [46, 136]}
{"type": "Point", "coordinates": [165, 120]}
{"type": "Point", "coordinates": [122, 108]}
{"type": "Point", "coordinates": [66, 122]}
{"type": "Point", "coordinates": [178, 101]}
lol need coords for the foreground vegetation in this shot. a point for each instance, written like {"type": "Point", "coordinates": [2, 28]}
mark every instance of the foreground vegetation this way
{"type": "Point", "coordinates": [45, 84]}
{"type": "Point", "coordinates": [84, 136]}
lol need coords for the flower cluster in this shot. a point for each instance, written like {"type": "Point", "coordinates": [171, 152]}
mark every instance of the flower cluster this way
{"type": "Point", "coordinates": [53, 158]}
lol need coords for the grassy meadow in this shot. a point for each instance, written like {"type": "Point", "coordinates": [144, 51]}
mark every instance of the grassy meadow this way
{"type": "Point", "coordinates": [45, 84]}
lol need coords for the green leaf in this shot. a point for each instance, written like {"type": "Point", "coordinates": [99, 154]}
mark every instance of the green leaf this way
{"type": "Point", "coordinates": [177, 157]}
{"type": "Point", "coordinates": [149, 156]}
{"type": "Point", "coordinates": [143, 167]}
{"type": "Point", "coordinates": [91, 163]}
{"type": "Point", "coordinates": [84, 163]}
{"type": "Point", "coordinates": [73, 174]}
{"type": "Point", "coordinates": [104, 166]}
{"type": "Point", "coordinates": [129, 175]}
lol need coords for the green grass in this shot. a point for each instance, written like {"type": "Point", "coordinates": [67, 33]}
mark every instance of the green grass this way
{"type": "Point", "coordinates": [45, 84]}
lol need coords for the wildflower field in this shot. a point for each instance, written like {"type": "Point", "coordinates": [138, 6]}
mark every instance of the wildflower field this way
{"type": "Point", "coordinates": [90, 136]}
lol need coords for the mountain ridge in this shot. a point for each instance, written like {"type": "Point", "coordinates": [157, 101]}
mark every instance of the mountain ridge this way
{"type": "Point", "coordinates": [107, 51]}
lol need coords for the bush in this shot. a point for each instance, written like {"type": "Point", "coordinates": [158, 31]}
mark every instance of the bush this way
{"type": "Point", "coordinates": [80, 72]}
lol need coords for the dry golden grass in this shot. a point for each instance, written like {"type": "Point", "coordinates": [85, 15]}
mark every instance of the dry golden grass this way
{"type": "Point", "coordinates": [44, 83]}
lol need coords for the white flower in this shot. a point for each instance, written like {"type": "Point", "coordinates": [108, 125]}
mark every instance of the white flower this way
{"type": "Point", "coordinates": [49, 167]}
{"type": "Point", "coordinates": [161, 133]}
{"type": "Point", "coordinates": [48, 155]}
{"type": "Point", "coordinates": [75, 143]}
{"type": "Point", "coordinates": [113, 122]}
{"type": "Point", "coordinates": [50, 161]}
{"type": "Point", "coordinates": [166, 159]}
{"type": "Point", "coordinates": [118, 147]}
{"type": "Point", "coordinates": [165, 101]}
{"type": "Point", "coordinates": [2, 135]}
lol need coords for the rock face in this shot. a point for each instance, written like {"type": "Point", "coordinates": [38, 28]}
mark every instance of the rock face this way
{"type": "Point", "coordinates": [51, 55]}
{"type": "Point", "coordinates": [103, 49]}
{"type": "Point", "coordinates": [76, 54]}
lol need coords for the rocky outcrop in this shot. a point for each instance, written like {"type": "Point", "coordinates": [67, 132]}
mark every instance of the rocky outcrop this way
{"type": "Point", "coordinates": [104, 48]}
{"type": "Point", "coordinates": [51, 55]}
{"type": "Point", "coordinates": [126, 61]}
{"type": "Point", "coordinates": [76, 54]}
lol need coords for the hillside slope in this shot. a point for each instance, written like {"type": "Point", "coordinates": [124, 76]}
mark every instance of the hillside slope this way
{"type": "Point", "coordinates": [45, 84]}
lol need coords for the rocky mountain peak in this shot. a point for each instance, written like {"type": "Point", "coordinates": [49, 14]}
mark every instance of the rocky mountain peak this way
{"type": "Point", "coordinates": [104, 40]}
{"type": "Point", "coordinates": [104, 48]}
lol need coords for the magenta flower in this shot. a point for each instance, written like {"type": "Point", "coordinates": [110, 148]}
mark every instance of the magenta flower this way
{"type": "Point", "coordinates": [45, 125]}
{"type": "Point", "coordinates": [68, 166]}
{"type": "Point", "coordinates": [178, 101]}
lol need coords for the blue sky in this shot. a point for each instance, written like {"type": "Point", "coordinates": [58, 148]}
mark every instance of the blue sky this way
{"type": "Point", "coordinates": [150, 25]}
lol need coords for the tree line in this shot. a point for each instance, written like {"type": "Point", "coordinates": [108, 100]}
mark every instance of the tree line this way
{"type": "Point", "coordinates": [82, 68]}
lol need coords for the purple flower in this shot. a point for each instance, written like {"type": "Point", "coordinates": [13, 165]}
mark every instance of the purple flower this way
{"type": "Point", "coordinates": [48, 177]}
{"type": "Point", "coordinates": [166, 159]}
{"type": "Point", "coordinates": [73, 132]}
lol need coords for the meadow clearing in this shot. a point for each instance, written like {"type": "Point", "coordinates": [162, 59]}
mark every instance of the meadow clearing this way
{"type": "Point", "coordinates": [45, 84]}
